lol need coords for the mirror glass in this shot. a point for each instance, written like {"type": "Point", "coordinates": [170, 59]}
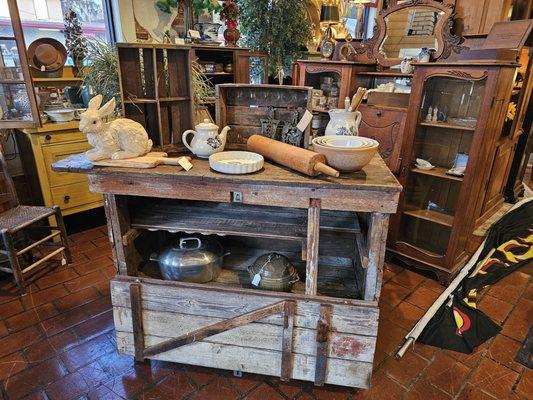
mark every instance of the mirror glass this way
{"type": "Point", "coordinates": [409, 30]}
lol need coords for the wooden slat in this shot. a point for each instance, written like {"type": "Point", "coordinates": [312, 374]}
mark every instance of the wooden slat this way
{"type": "Point", "coordinates": [286, 347]}
{"type": "Point", "coordinates": [349, 316]}
{"type": "Point", "coordinates": [377, 242]}
{"type": "Point", "coordinates": [313, 230]}
{"type": "Point", "coordinates": [38, 242]}
{"type": "Point", "coordinates": [264, 362]}
{"type": "Point", "coordinates": [258, 335]}
{"type": "Point", "coordinates": [214, 329]}
{"type": "Point", "coordinates": [322, 342]}
{"type": "Point", "coordinates": [137, 321]}
{"type": "Point", "coordinates": [44, 259]}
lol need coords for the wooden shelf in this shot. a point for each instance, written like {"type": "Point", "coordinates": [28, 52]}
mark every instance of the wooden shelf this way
{"type": "Point", "coordinates": [445, 125]}
{"type": "Point", "coordinates": [218, 73]}
{"type": "Point", "coordinates": [140, 101]}
{"type": "Point", "coordinates": [438, 172]}
{"type": "Point", "coordinates": [12, 81]}
{"type": "Point", "coordinates": [236, 219]}
{"type": "Point", "coordinates": [431, 216]}
{"type": "Point", "coordinates": [177, 98]}
{"type": "Point", "coordinates": [392, 74]}
{"type": "Point", "coordinates": [58, 80]}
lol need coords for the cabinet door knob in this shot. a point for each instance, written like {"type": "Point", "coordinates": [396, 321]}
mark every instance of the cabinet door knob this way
{"type": "Point", "coordinates": [48, 137]}
{"type": "Point", "coordinates": [66, 199]}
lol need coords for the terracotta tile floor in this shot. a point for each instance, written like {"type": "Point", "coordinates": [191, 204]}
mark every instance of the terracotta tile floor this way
{"type": "Point", "coordinates": [57, 343]}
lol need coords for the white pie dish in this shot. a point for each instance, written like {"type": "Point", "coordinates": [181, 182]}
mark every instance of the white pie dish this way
{"type": "Point", "coordinates": [236, 162]}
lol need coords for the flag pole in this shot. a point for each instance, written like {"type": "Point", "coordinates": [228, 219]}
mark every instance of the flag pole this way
{"type": "Point", "coordinates": [413, 335]}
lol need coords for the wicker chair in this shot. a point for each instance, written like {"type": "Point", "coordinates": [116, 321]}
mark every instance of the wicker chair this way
{"type": "Point", "coordinates": [16, 220]}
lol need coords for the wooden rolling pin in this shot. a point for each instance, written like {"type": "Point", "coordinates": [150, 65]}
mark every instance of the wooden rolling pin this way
{"type": "Point", "coordinates": [302, 160]}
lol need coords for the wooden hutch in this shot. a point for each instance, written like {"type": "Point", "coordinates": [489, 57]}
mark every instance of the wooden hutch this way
{"type": "Point", "coordinates": [438, 212]}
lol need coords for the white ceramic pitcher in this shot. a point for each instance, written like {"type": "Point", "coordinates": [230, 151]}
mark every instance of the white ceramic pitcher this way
{"type": "Point", "coordinates": [343, 123]}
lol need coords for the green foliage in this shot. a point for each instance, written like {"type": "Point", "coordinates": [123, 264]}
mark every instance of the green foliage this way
{"type": "Point", "coordinates": [102, 73]}
{"type": "Point", "coordinates": [200, 6]}
{"type": "Point", "coordinates": [276, 27]}
{"type": "Point", "coordinates": [166, 5]}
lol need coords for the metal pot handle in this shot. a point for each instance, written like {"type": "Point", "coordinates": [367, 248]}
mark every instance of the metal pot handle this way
{"type": "Point", "coordinates": [190, 239]}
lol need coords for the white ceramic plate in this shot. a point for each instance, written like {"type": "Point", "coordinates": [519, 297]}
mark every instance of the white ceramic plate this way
{"type": "Point", "coordinates": [236, 162]}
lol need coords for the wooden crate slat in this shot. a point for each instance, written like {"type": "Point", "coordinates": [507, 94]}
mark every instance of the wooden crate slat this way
{"type": "Point", "coordinates": [264, 362]}
{"type": "Point", "coordinates": [258, 335]}
{"type": "Point", "coordinates": [349, 316]}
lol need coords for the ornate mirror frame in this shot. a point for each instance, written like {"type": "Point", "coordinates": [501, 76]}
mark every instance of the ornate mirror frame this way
{"type": "Point", "coordinates": [446, 40]}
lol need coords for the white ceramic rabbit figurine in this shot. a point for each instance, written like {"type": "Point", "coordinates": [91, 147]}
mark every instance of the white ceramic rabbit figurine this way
{"type": "Point", "coordinates": [119, 139]}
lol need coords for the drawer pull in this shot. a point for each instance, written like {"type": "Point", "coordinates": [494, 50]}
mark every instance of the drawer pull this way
{"type": "Point", "coordinates": [379, 113]}
{"type": "Point", "coordinates": [66, 199]}
{"type": "Point", "coordinates": [48, 137]}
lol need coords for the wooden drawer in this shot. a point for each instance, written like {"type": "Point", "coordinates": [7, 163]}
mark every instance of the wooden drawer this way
{"type": "Point", "coordinates": [55, 138]}
{"type": "Point", "coordinates": [170, 310]}
{"type": "Point", "coordinates": [74, 195]}
{"type": "Point", "coordinates": [51, 154]}
{"type": "Point", "coordinates": [386, 125]}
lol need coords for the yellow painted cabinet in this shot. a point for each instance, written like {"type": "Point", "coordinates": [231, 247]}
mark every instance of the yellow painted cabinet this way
{"type": "Point", "coordinates": [40, 148]}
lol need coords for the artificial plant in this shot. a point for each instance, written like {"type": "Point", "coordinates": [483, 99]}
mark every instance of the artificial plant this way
{"type": "Point", "coordinates": [199, 6]}
{"type": "Point", "coordinates": [101, 75]}
{"type": "Point", "coordinates": [277, 27]}
{"type": "Point", "coordinates": [75, 41]}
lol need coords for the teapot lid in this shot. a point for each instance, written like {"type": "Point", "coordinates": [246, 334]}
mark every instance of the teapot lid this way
{"type": "Point", "coordinates": [207, 125]}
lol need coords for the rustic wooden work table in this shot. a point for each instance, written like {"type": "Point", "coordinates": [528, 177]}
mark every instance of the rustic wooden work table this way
{"type": "Point", "coordinates": [333, 229]}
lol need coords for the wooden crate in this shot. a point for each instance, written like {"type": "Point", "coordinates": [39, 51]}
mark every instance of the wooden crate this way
{"type": "Point", "coordinates": [171, 311]}
{"type": "Point", "coordinates": [241, 107]}
{"type": "Point", "coordinates": [156, 90]}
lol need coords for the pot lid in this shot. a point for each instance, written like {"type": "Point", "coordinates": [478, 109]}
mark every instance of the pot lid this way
{"type": "Point", "coordinates": [273, 266]}
{"type": "Point", "coordinates": [207, 125]}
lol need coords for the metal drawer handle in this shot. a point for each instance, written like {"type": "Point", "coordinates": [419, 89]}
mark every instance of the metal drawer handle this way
{"type": "Point", "coordinates": [66, 199]}
{"type": "Point", "coordinates": [48, 137]}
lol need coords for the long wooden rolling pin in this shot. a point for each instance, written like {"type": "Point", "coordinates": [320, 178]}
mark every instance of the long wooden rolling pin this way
{"type": "Point", "coordinates": [302, 160]}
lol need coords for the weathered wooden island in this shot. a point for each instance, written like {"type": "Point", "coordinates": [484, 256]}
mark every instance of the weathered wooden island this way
{"type": "Point", "coordinates": [333, 229]}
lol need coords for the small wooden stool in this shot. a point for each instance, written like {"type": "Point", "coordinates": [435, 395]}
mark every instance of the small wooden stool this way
{"type": "Point", "coordinates": [16, 218]}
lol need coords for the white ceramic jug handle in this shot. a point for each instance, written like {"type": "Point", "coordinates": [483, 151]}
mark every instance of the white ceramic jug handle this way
{"type": "Point", "coordinates": [358, 119]}
{"type": "Point", "coordinates": [184, 138]}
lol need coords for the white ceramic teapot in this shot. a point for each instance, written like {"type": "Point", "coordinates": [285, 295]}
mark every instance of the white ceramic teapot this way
{"type": "Point", "coordinates": [343, 123]}
{"type": "Point", "coordinates": [206, 139]}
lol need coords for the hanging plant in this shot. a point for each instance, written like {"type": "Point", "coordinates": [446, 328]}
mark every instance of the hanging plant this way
{"type": "Point", "coordinates": [277, 27]}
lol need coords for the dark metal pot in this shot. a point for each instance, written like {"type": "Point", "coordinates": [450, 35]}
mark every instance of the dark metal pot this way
{"type": "Point", "coordinates": [273, 271]}
{"type": "Point", "coordinates": [191, 260]}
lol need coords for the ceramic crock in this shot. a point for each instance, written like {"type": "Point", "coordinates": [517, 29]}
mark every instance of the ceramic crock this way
{"type": "Point", "coordinates": [343, 123]}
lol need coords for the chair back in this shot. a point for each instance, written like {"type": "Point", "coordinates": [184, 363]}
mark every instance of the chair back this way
{"type": "Point", "coordinates": [8, 195]}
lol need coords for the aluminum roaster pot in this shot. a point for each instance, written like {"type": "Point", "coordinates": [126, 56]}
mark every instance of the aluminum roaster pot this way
{"type": "Point", "coordinates": [191, 260]}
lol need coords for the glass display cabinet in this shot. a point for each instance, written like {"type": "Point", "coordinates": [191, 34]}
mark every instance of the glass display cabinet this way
{"type": "Point", "coordinates": [18, 105]}
{"type": "Point", "coordinates": [450, 158]}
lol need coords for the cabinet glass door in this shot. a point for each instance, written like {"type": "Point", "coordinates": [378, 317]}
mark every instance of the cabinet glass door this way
{"type": "Point", "coordinates": [18, 105]}
{"type": "Point", "coordinates": [446, 124]}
